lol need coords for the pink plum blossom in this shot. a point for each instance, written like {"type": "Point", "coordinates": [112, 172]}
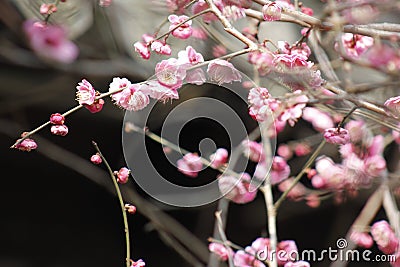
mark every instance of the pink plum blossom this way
{"type": "Point", "coordinates": [196, 76]}
{"type": "Point", "coordinates": [201, 5]}
{"type": "Point", "coordinates": [221, 71]}
{"type": "Point", "coordinates": [302, 149]}
{"type": "Point", "coordinates": [142, 49]}
{"type": "Point", "coordinates": [157, 91]}
{"type": "Point", "coordinates": [284, 151]}
{"type": "Point", "coordinates": [337, 136]}
{"type": "Point", "coordinates": [294, 108]}
{"type": "Point", "coordinates": [272, 11]}
{"type": "Point", "coordinates": [133, 98]}
{"type": "Point", "coordinates": [27, 144]}
{"type": "Point", "coordinates": [105, 3]}
{"type": "Point", "coordinates": [177, 6]}
{"type": "Point", "coordinates": [253, 151]}
{"type": "Point", "coordinates": [131, 209]}
{"type": "Point", "coordinates": [219, 50]}
{"type": "Point", "coordinates": [261, 103]}
{"type": "Point", "coordinates": [160, 48]}
{"type": "Point", "coordinates": [184, 31]}
{"type": "Point", "coordinates": [86, 94]}
{"type": "Point", "coordinates": [138, 263]}
{"type": "Point", "coordinates": [264, 61]}
{"type": "Point", "coordinates": [199, 33]}
{"type": "Point", "coordinates": [319, 120]}
{"type": "Point", "coordinates": [393, 104]}
{"type": "Point", "coordinates": [50, 42]}
{"type": "Point", "coordinates": [233, 12]}
{"type": "Point", "coordinates": [190, 165]}
{"type": "Point", "coordinates": [385, 237]}
{"type": "Point", "coordinates": [57, 118]}
{"type": "Point", "coordinates": [170, 74]}
{"type": "Point", "coordinates": [97, 106]}
{"type": "Point", "coordinates": [118, 85]}
{"type": "Point", "coordinates": [189, 56]}
{"type": "Point", "coordinates": [286, 250]}
{"type": "Point", "coordinates": [220, 250]}
{"type": "Point", "coordinates": [362, 239]}
{"type": "Point", "coordinates": [381, 55]}
{"type": "Point", "coordinates": [298, 191]}
{"type": "Point", "coordinates": [122, 175]}
{"type": "Point", "coordinates": [47, 9]}
{"type": "Point", "coordinates": [237, 190]}
{"type": "Point", "coordinates": [96, 159]}
{"type": "Point", "coordinates": [355, 45]}
{"type": "Point", "coordinates": [278, 172]}
{"type": "Point", "coordinates": [61, 130]}
{"type": "Point", "coordinates": [219, 158]}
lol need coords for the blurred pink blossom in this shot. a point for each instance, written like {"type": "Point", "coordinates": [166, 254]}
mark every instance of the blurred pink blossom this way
{"type": "Point", "coordinates": [219, 158]}
{"type": "Point", "coordinates": [50, 42]}
{"type": "Point", "coordinates": [385, 237]}
{"type": "Point", "coordinates": [237, 190]}
{"type": "Point", "coordinates": [190, 165]}
{"type": "Point", "coordinates": [361, 239]}
{"type": "Point", "coordinates": [337, 136]}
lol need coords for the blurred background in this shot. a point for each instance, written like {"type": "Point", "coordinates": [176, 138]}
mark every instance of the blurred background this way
{"type": "Point", "coordinates": [57, 209]}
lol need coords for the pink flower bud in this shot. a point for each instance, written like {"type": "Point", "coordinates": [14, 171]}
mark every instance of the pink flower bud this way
{"type": "Point", "coordinates": [272, 11]}
{"type": "Point", "coordinates": [219, 158]}
{"type": "Point", "coordinates": [47, 9]}
{"type": "Point", "coordinates": [285, 151]}
{"type": "Point", "coordinates": [97, 106]}
{"type": "Point", "coordinates": [220, 250]}
{"type": "Point", "coordinates": [122, 175]}
{"type": "Point", "coordinates": [61, 130]}
{"type": "Point", "coordinates": [253, 150]}
{"type": "Point", "coordinates": [184, 31]}
{"type": "Point", "coordinates": [302, 149]}
{"type": "Point", "coordinates": [96, 159]}
{"type": "Point", "coordinates": [142, 49]}
{"type": "Point", "coordinates": [337, 136]}
{"type": "Point", "coordinates": [384, 237]}
{"type": "Point", "coordinates": [393, 104]}
{"type": "Point", "coordinates": [362, 239]}
{"type": "Point", "coordinates": [160, 48]}
{"type": "Point", "coordinates": [105, 3]}
{"type": "Point", "coordinates": [57, 118]}
{"type": "Point", "coordinates": [313, 200]}
{"type": "Point", "coordinates": [138, 263]}
{"type": "Point", "coordinates": [131, 209]}
{"type": "Point", "coordinates": [26, 145]}
{"type": "Point", "coordinates": [219, 50]}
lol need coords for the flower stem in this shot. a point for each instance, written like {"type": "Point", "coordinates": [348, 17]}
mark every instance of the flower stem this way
{"type": "Point", "coordinates": [121, 202]}
{"type": "Point", "coordinates": [298, 177]}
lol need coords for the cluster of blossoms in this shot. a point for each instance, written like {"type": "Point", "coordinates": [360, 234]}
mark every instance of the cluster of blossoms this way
{"type": "Point", "coordinates": [258, 253]}
{"type": "Point", "coordinates": [385, 238]}
{"type": "Point", "coordinates": [362, 160]}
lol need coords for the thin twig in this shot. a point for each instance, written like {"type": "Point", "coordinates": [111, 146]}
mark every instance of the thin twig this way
{"type": "Point", "coordinates": [121, 202]}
